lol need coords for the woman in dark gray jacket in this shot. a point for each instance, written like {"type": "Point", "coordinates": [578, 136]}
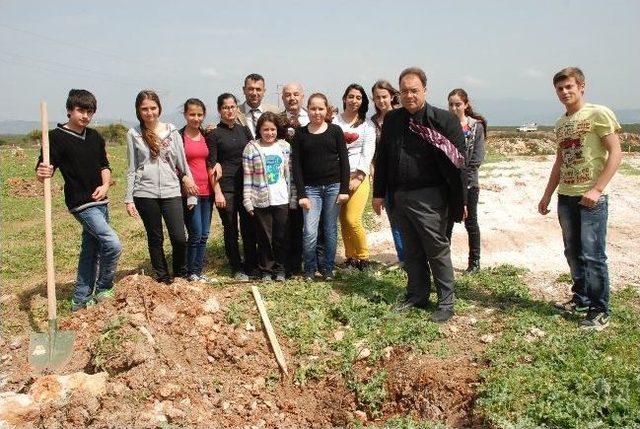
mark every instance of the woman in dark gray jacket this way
{"type": "Point", "coordinates": [474, 127]}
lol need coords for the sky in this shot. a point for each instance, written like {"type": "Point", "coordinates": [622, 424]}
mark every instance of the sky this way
{"type": "Point", "coordinates": [504, 53]}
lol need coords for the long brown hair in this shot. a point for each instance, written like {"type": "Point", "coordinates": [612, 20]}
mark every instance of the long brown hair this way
{"type": "Point", "coordinates": [393, 93]}
{"type": "Point", "coordinates": [469, 110]}
{"type": "Point", "coordinates": [149, 136]}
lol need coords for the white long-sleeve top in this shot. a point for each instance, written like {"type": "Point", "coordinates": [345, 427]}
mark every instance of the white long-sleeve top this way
{"type": "Point", "coordinates": [361, 143]}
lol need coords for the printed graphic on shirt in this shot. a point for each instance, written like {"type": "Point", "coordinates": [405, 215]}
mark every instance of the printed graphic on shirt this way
{"type": "Point", "coordinates": [166, 151]}
{"type": "Point", "coordinates": [273, 167]}
{"type": "Point", "coordinates": [575, 169]}
{"type": "Point", "coordinates": [350, 137]}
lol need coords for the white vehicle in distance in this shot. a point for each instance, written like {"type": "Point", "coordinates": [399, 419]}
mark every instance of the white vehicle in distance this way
{"type": "Point", "coordinates": [525, 128]}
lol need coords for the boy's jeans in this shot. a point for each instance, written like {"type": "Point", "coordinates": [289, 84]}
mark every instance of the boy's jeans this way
{"type": "Point", "coordinates": [198, 221]}
{"type": "Point", "coordinates": [584, 232]}
{"type": "Point", "coordinates": [99, 253]}
{"type": "Point", "coordinates": [323, 203]}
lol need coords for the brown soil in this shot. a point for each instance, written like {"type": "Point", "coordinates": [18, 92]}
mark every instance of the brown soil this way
{"type": "Point", "coordinates": [20, 187]}
{"type": "Point", "coordinates": [171, 355]}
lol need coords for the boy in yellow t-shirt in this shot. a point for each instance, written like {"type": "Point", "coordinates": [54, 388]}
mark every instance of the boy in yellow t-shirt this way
{"type": "Point", "coordinates": [588, 156]}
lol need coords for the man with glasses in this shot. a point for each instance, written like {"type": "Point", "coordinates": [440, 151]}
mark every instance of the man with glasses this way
{"type": "Point", "coordinates": [418, 165]}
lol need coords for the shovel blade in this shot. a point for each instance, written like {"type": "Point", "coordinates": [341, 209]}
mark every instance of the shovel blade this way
{"type": "Point", "coordinates": [50, 351]}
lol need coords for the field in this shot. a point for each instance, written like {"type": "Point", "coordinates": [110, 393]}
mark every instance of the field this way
{"type": "Point", "coordinates": [195, 356]}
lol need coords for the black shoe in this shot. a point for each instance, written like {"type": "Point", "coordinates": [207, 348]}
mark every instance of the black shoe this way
{"type": "Point", "coordinates": [441, 315]}
{"type": "Point", "coordinates": [407, 305]}
{"type": "Point", "coordinates": [572, 307]}
{"type": "Point", "coordinates": [362, 264]}
{"type": "Point", "coordinates": [474, 266]}
{"type": "Point", "coordinates": [595, 320]}
{"type": "Point", "coordinates": [165, 280]}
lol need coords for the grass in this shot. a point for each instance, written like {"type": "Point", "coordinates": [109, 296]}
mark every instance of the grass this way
{"type": "Point", "coordinates": [566, 378]}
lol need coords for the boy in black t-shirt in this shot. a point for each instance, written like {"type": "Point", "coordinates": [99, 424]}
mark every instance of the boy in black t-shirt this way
{"type": "Point", "coordinates": [79, 152]}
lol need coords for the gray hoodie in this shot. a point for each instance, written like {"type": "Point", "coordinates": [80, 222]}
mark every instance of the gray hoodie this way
{"type": "Point", "coordinates": [149, 177]}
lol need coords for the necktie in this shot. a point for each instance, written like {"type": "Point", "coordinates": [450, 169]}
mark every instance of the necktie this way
{"type": "Point", "coordinates": [254, 118]}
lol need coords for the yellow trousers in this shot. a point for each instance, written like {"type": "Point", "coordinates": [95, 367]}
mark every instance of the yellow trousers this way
{"type": "Point", "coordinates": [354, 236]}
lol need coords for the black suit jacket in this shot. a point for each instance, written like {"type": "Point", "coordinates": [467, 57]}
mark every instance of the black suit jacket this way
{"type": "Point", "coordinates": [388, 157]}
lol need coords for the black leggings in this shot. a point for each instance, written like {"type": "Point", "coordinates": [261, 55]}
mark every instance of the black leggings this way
{"type": "Point", "coordinates": [152, 211]}
{"type": "Point", "coordinates": [471, 224]}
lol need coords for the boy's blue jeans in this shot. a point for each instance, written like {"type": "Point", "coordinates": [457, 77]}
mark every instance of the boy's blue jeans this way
{"type": "Point", "coordinates": [584, 232]}
{"type": "Point", "coordinates": [198, 221]}
{"type": "Point", "coordinates": [99, 253]}
{"type": "Point", "coordinates": [323, 203]}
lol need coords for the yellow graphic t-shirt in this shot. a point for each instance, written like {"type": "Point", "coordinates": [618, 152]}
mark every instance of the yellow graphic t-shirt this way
{"type": "Point", "coordinates": [583, 154]}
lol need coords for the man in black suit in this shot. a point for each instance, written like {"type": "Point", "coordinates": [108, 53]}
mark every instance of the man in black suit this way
{"type": "Point", "coordinates": [418, 164]}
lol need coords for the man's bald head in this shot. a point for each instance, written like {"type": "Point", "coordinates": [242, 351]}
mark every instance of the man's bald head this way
{"type": "Point", "coordinates": [292, 97]}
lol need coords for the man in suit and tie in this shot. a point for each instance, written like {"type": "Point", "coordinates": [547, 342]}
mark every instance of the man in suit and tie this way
{"type": "Point", "coordinates": [253, 107]}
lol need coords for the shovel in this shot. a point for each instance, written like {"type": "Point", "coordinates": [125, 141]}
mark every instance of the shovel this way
{"type": "Point", "coordinates": [49, 351]}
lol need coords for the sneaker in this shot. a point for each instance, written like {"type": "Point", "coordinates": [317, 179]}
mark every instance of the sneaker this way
{"type": "Point", "coordinates": [571, 307]}
{"type": "Point", "coordinates": [595, 320]}
{"type": "Point", "coordinates": [328, 277]}
{"type": "Point", "coordinates": [309, 278]}
{"type": "Point", "coordinates": [266, 278]}
{"type": "Point", "coordinates": [104, 295]}
{"type": "Point", "coordinates": [208, 280]}
{"type": "Point", "coordinates": [280, 277]}
{"type": "Point", "coordinates": [441, 315]}
{"type": "Point", "coordinates": [240, 276]}
{"type": "Point", "coordinates": [76, 306]}
{"type": "Point", "coordinates": [193, 278]}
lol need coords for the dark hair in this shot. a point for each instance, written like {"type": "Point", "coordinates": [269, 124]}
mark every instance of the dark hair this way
{"type": "Point", "coordinates": [273, 118]}
{"type": "Point", "coordinates": [469, 110]}
{"type": "Point", "coordinates": [225, 96]}
{"type": "Point", "coordinates": [82, 99]}
{"type": "Point", "coordinates": [194, 102]}
{"type": "Point", "coordinates": [323, 97]}
{"type": "Point", "coordinates": [415, 71]}
{"type": "Point", "coordinates": [254, 77]}
{"type": "Point", "coordinates": [149, 136]}
{"type": "Point", "coordinates": [364, 107]}
{"type": "Point", "coordinates": [567, 73]}
{"type": "Point", "coordinates": [386, 85]}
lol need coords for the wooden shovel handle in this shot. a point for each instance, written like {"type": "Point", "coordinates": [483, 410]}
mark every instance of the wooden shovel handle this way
{"type": "Point", "coordinates": [51, 278]}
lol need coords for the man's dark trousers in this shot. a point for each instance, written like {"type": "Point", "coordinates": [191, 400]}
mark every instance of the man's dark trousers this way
{"type": "Point", "coordinates": [422, 216]}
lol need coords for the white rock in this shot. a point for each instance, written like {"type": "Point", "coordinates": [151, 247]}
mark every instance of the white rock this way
{"type": "Point", "coordinates": [211, 305]}
{"type": "Point", "coordinates": [57, 387]}
{"type": "Point", "coordinates": [17, 410]}
{"type": "Point", "coordinates": [363, 353]}
{"type": "Point", "coordinates": [249, 327]}
{"type": "Point", "coordinates": [487, 338]}
{"type": "Point", "coordinates": [338, 335]}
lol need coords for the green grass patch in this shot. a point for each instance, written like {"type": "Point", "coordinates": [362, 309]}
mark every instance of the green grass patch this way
{"type": "Point", "coordinates": [566, 378]}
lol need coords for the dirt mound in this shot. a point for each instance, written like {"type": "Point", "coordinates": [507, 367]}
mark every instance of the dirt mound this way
{"type": "Point", "coordinates": [509, 144]}
{"type": "Point", "coordinates": [20, 187]}
{"type": "Point", "coordinates": [433, 389]}
{"type": "Point", "coordinates": [173, 357]}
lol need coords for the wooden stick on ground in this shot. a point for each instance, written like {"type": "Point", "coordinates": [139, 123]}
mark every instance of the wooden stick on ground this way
{"type": "Point", "coordinates": [270, 332]}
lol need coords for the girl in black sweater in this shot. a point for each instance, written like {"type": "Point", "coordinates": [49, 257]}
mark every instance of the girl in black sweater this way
{"type": "Point", "coordinates": [321, 173]}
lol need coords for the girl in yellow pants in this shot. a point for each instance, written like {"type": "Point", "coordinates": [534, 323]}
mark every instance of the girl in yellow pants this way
{"type": "Point", "coordinates": [360, 137]}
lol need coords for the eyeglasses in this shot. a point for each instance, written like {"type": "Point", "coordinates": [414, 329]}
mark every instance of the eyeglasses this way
{"type": "Point", "coordinates": [414, 91]}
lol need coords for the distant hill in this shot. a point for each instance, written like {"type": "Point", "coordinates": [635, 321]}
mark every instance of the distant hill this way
{"type": "Point", "coordinates": [499, 112]}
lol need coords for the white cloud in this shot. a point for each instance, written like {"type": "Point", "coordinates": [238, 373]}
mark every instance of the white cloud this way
{"type": "Point", "coordinates": [533, 73]}
{"type": "Point", "coordinates": [474, 81]}
{"type": "Point", "coordinates": [211, 72]}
